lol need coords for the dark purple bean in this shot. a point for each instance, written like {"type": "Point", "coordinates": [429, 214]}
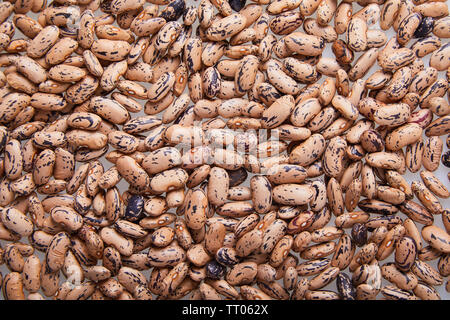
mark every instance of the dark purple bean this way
{"type": "Point", "coordinates": [424, 28]}
{"type": "Point", "coordinates": [174, 10]}
{"type": "Point", "coordinates": [237, 5]}
{"type": "Point", "coordinates": [345, 287]}
{"type": "Point", "coordinates": [134, 210]}
{"type": "Point", "coordinates": [359, 234]}
{"type": "Point", "coordinates": [214, 270]}
{"type": "Point", "coordinates": [446, 159]}
{"type": "Point", "coordinates": [237, 176]}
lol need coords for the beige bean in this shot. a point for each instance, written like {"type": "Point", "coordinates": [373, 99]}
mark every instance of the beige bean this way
{"type": "Point", "coordinates": [43, 41]}
{"type": "Point", "coordinates": [342, 17]}
{"type": "Point", "coordinates": [302, 154]}
{"type": "Point", "coordinates": [119, 242]}
{"type": "Point", "coordinates": [292, 194]}
{"type": "Point", "coordinates": [311, 45]}
{"type": "Point", "coordinates": [56, 251]}
{"type": "Point", "coordinates": [16, 221]}
{"type": "Point", "coordinates": [403, 136]}
{"type": "Point", "coordinates": [426, 273]}
{"type": "Point", "coordinates": [226, 27]}
{"type": "Point", "coordinates": [432, 153]}
{"type": "Point", "coordinates": [242, 273]}
{"type": "Point", "coordinates": [31, 69]}
{"type": "Point", "coordinates": [436, 237]}
{"type": "Point", "coordinates": [13, 287]}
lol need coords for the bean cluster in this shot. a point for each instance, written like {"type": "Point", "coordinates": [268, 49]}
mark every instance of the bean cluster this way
{"type": "Point", "coordinates": [157, 150]}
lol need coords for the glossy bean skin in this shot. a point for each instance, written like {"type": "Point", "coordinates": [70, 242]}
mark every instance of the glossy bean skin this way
{"type": "Point", "coordinates": [56, 251]}
{"type": "Point", "coordinates": [17, 222]}
{"type": "Point", "coordinates": [13, 287]}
